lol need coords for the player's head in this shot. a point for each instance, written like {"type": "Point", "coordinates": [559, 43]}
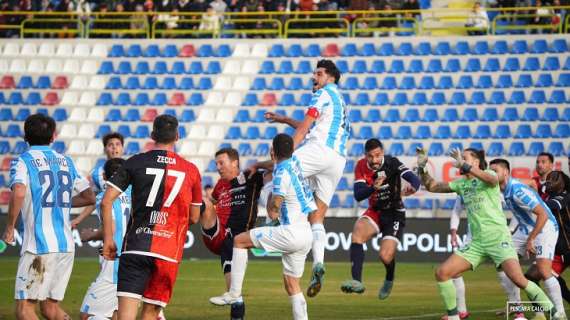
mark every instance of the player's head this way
{"type": "Point", "coordinates": [502, 168]}
{"type": "Point", "coordinates": [326, 72]}
{"type": "Point", "coordinates": [39, 130]}
{"type": "Point", "coordinates": [227, 163]}
{"type": "Point", "coordinates": [557, 182]}
{"type": "Point", "coordinates": [475, 158]}
{"type": "Point", "coordinates": [111, 166]}
{"type": "Point", "coordinates": [165, 129]}
{"type": "Point", "coordinates": [282, 147]}
{"type": "Point", "coordinates": [544, 163]}
{"type": "Point", "coordinates": [113, 143]}
{"type": "Point", "coordinates": [374, 153]}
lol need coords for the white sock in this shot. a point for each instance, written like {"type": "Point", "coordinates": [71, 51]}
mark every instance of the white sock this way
{"type": "Point", "coordinates": [239, 264]}
{"type": "Point", "coordinates": [513, 292]}
{"type": "Point", "coordinates": [553, 291]}
{"type": "Point", "coordinates": [299, 306]}
{"type": "Point", "coordinates": [319, 238]}
{"type": "Point", "coordinates": [460, 294]}
{"type": "Point", "coordinates": [97, 318]}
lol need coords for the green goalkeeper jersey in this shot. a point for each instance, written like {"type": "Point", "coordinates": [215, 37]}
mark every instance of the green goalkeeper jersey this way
{"type": "Point", "coordinates": [485, 216]}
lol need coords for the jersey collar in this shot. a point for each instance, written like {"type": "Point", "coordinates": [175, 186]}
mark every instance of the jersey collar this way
{"type": "Point", "coordinates": [283, 163]}
{"type": "Point", "coordinates": [40, 148]}
{"type": "Point", "coordinates": [331, 85]}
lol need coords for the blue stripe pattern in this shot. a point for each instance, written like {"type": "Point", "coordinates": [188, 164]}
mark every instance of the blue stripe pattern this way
{"type": "Point", "coordinates": [36, 192]}
{"type": "Point", "coordinates": [118, 213]}
{"type": "Point", "coordinates": [339, 119]}
{"type": "Point", "coordinates": [299, 192]}
{"type": "Point", "coordinates": [56, 212]}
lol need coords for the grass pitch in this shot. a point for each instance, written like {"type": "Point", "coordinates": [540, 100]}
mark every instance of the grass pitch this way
{"type": "Point", "coordinates": [414, 295]}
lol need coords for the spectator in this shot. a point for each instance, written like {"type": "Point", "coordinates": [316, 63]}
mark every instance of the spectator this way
{"type": "Point", "coordinates": [387, 13]}
{"type": "Point", "coordinates": [210, 23]}
{"type": "Point", "coordinates": [251, 5]}
{"type": "Point", "coordinates": [542, 16]}
{"type": "Point", "coordinates": [131, 5]}
{"type": "Point", "coordinates": [99, 25]}
{"type": "Point", "coordinates": [477, 19]}
{"type": "Point", "coordinates": [559, 16]}
{"type": "Point", "coordinates": [138, 21]}
{"type": "Point", "coordinates": [411, 5]}
{"type": "Point", "coordinates": [305, 5]}
{"type": "Point", "coordinates": [219, 6]}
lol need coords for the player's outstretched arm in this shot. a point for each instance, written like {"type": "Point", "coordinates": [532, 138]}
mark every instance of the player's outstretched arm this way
{"type": "Point", "coordinates": [275, 117]}
{"type": "Point", "coordinates": [486, 177]}
{"type": "Point", "coordinates": [274, 206]}
{"type": "Point", "coordinates": [14, 206]}
{"type": "Point", "coordinates": [84, 198]}
{"type": "Point", "coordinates": [465, 168]}
{"type": "Point", "coordinates": [109, 246]}
{"type": "Point", "coordinates": [303, 129]}
{"type": "Point", "coordinates": [429, 183]}
{"type": "Point", "coordinates": [541, 218]}
{"type": "Point", "coordinates": [91, 234]}
{"type": "Point", "coordinates": [84, 214]}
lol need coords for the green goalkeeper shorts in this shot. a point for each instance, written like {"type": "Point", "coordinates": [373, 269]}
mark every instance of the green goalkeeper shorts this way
{"type": "Point", "coordinates": [498, 251]}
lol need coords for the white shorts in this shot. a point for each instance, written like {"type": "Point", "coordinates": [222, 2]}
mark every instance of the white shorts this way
{"type": "Point", "coordinates": [322, 167]}
{"type": "Point", "coordinates": [43, 276]}
{"type": "Point", "coordinates": [293, 241]}
{"type": "Point", "coordinates": [101, 299]}
{"type": "Point", "coordinates": [545, 242]}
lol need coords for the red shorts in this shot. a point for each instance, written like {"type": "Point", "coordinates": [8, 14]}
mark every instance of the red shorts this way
{"type": "Point", "coordinates": [214, 242]}
{"type": "Point", "coordinates": [147, 278]}
{"type": "Point", "coordinates": [389, 223]}
{"type": "Point", "coordinates": [558, 265]}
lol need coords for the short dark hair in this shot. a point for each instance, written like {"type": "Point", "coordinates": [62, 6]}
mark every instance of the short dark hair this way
{"type": "Point", "coordinates": [39, 129]}
{"type": "Point", "coordinates": [330, 69]}
{"type": "Point", "coordinates": [501, 162]}
{"type": "Point", "coordinates": [164, 129]}
{"type": "Point", "coordinates": [112, 165]}
{"type": "Point", "coordinates": [113, 135]}
{"type": "Point", "coordinates": [283, 146]}
{"type": "Point", "coordinates": [232, 153]}
{"type": "Point", "coordinates": [546, 154]}
{"type": "Point", "coordinates": [479, 154]}
{"type": "Point", "coordinates": [372, 144]}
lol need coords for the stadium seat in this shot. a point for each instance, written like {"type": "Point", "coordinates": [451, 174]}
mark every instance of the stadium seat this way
{"type": "Point", "coordinates": [495, 149]}
{"type": "Point", "coordinates": [550, 114]}
{"type": "Point", "coordinates": [539, 46]}
{"type": "Point", "coordinates": [13, 131]}
{"type": "Point", "coordinates": [470, 115]}
{"type": "Point", "coordinates": [535, 148]}
{"type": "Point", "coordinates": [168, 83]}
{"type": "Point", "coordinates": [465, 82]}
{"type": "Point", "coordinates": [492, 65]}
{"type": "Point", "coordinates": [563, 80]}
{"type": "Point", "coordinates": [389, 83]}
{"type": "Point", "coordinates": [419, 99]}
{"type": "Point", "coordinates": [132, 84]}
{"type": "Point", "coordinates": [22, 114]}
{"type": "Point", "coordinates": [517, 97]}
{"type": "Point", "coordinates": [490, 114]}
{"type": "Point", "coordinates": [426, 83]}
{"type": "Point", "coordinates": [559, 46]}
{"type": "Point", "coordinates": [132, 115]}
{"type": "Point", "coordinates": [187, 115]}
{"type": "Point", "coordinates": [523, 132]}
{"type": "Point", "coordinates": [551, 64]}
{"type": "Point", "coordinates": [556, 148]}
{"type": "Point", "coordinates": [454, 145]}
{"type": "Point", "coordinates": [359, 66]}
{"type": "Point", "coordinates": [457, 98]}
{"type": "Point", "coordinates": [543, 131]}
{"type": "Point", "coordinates": [500, 47]}
{"type": "Point", "coordinates": [480, 48]}
{"type": "Point", "coordinates": [261, 150]}
{"type": "Point", "coordinates": [411, 115]}
{"type": "Point", "coordinates": [392, 115]}
{"type": "Point", "coordinates": [504, 81]}
{"type": "Point", "coordinates": [473, 65]}
{"type": "Point", "coordinates": [482, 132]}
{"type": "Point", "coordinates": [276, 51]}
{"type": "Point", "coordinates": [159, 99]}
{"type": "Point", "coordinates": [350, 83]}
{"type": "Point", "coordinates": [24, 83]}
{"type": "Point", "coordinates": [412, 149]}
{"type": "Point", "coordinates": [442, 49]}
{"type": "Point", "coordinates": [196, 68]}
{"type": "Point", "coordinates": [512, 64]}
{"type": "Point", "coordinates": [435, 149]}
{"type": "Point", "coordinates": [385, 133]}
{"type": "Point", "coordinates": [557, 97]}
{"type": "Point", "coordinates": [405, 49]}
{"type": "Point", "coordinates": [403, 133]}
{"type": "Point", "coordinates": [437, 98]}
{"type": "Point", "coordinates": [365, 133]}
{"type": "Point", "coordinates": [519, 47]}
{"type": "Point", "coordinates": [477, 98]}
{"type": "Point", "coordinates": [8, 82]}
{"type": "Point", "coordinates": [423, 49]}
{"type": "Point", "coordinates": [462, 132]}
{"type": "Point", "coordinates": [378, 66]}
{"type": "Point", "coordinates": [537, 97]}
{"type": "Point", "coordinates": [205, 51]}
{"type": "Point", "coordinates": [461, 48]}
{"type": "Point", "coordinates": [367, 50]}
{"type": "Point", "coordinates": [177, 99]}
{"type": "Point", "coordinates": [531, 64]}
{"type": "Point", "coordinates": [177, 67]}
{"type": "Point", "coordinates": [134, 51]}
{"type": "Point", "coordinates": [407, 83]}
{"type": "Point", "coordinates": [397, 66]}
{"type": "Point", "coordinates": [50, 99]}
{"type": "Point", "coordinates": [497, 98]}
{"type": "Point", "coordinates": [510, 115]}
{"type": "Point", "coordinates": [124, 68]}
{"type": "Point", "coordinates": [386, 49]}
{"type": "Point", "coordinates": [349, 50]}
{"type": "Point", "coordinates": [399, 99]}
{"type": "Point", "coordinates": [356, 150]}
{"type": "Point", "coordinates": [269, 133]}
{"type": "Point", "coordinates": [330, 50]}
{"type": "Point", "coordinates": [117, 51]}
{"type": "Point", "coordinates": [434, 66]}
{"type": "Point", "coordinates": [423, 132]}
{"type": "Point", "coordinates": [396, 149]}
{"type": "Point", "coordinates": [416, 66]}
{"type": "Point", "coordinates": [224, 51]}
{"type": "Point", "coordinates": [342, 66]}
{"type": "Point", "coordinates": [445, 82]}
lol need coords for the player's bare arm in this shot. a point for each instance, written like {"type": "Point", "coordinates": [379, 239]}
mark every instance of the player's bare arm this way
{"type": "Point", "coordinates": [277, 118]}
{"type": "Point", "coordinates": [14, 206]}
{"type": "Point", "coordinates": [274, 206]}
{"type": "Point", "coordinates": [84, 198]}
{"type": "Point", "coordinates": [90, 234]}
{"type": "Point", "coordinates": [194, 214]}
{"type": "Point", "coordinates": [109, 246]}
{"type": "Point", "coordinates": [460, 164]}
{"type": "Point", "coordinates": [302, 130]}
{"type": "Point", "coordinates": [541, 219]}
{"type": "Point", "coordinates": [486, 177]}
{"type": "Point", "coordinates": [84, 214]}
{"type": "Point", "coordinates": [434, 186]}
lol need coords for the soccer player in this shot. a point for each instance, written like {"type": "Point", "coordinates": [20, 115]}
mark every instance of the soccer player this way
{"type": "Point", "coordinates": [113, 144]}
{"type": "Point", "coordinates": [378, 178]}
{"type": "Point", "coordinates": [322, 134]}
{"type": "Point", "coordinates": [100, 301]}
{"type": "Point", "coordinates": [544, 165]}
{"type": "Point", "coordinates": [45, 186]}
{"type": "Point", "coordinates": [537, 231]}
{"type": "Point", "coordinates": [491, 237]}
{"type": "Point", "coordinates": [558, 190]}
{"type": "Point", "coordinates": [166, 197]}
{"type": "Point", "coordinates": [291, 202]}
{"type": "Point", "coordinates": [235, 197]}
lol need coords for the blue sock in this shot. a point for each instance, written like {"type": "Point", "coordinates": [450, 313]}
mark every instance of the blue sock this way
{"type": "Point", "coordinates": [357, 260]}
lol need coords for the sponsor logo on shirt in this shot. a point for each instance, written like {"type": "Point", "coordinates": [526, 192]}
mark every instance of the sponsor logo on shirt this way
{"type": "Point", "coordinates": [158, 217]}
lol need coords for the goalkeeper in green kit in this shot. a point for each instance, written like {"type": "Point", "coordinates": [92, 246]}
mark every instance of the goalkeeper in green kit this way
{"type": "Point", "coordinates": [491, 237]}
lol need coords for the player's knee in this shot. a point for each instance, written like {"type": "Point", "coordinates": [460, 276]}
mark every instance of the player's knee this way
{"type": "Point", "coordinates": [22, 311]}
{"type": "Point", "coordinates": [84, 316]}
{"type": "Point", "coordinates": [441, 274]}
{"type": "Point", "coordinates": [48, 310]}
{"type": "Point", "coordinates": [386, 256]}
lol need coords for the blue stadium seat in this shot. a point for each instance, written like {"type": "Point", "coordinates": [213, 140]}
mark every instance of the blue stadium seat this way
{"type": "Point", "coordinates": [437, 98]}
{"type": "Point", "coordinates": [252, 133]}
{"type": "Point", "coordinates": [519, 47]}
{"type": "Point", "coordinates": [4, 149]}
{"type": "Point", "coordinates": [445, 82]}
{"type": "Point", "coordinates": [435, 149]}
{"type": "Point", "coordinates": [448, 204]}
{"type": "Point", "coordinates": [386, 49]}
{"type": "Point", "coordinates": [233, 133]}
{"type": "Point", "coordinates": [411, 115]}
{"type": "Point", "coordinates": [559, 46]}
{"type": "Point", "coordinates": [531, 64]}
{"type": "Point", "coordinates": [22, 114]}
{"type": "Point", "coordinates": [276, 51]}
{"type": "Point", "coordinates": [370, 83]}
{"type": "Point", "coordinates": [367, 50]}
{"type": "Point", "coordinates": [454, 145]}
{"type": "Point", "coordinates": [452, 65]}
{"type": "Point", "coordinates": [504, 81]}
{"type": "Point", "coordinates": [473, 65]}
{"type": "Point", "coordinates": [483, 131]}
{"type": "Point", "coordinates": [427, 83]}
{"type": "Point", "coordinates": [241, 116]}
{"type": "Point", "coordinates": [261, 150]}
{"type": "Point", "coordinates": [152, 51]}
{"type": "Point", "coordinates": [359, 66]}
{"type": "Point", "coordinates": [539, 46]}
{"type": "Point", "coordinates": [346, 98]}
{"type": "Point", "coordinates": [412, 203]}
{"type": "Point", "coordinates": [212, 166]}
{"type": "Point", "coordinates": [381, 99]}
{"type": "Point", "coordinates": [106, 67]}
{"type": "Point", "coordinates": [124, 68]}
{"type": "Point", "coordinates": [500, 47]}
{"type": "Point", "coordinates": [294, 51]}
{"type": "Point", "coordinates": [373, 116]}
{"type": "Point", "coordinates": [114, 83]}
{"type": "Point", "coordinates": [124, 130]}
{"type": "Point", "coordinates": [305, 99]}
{"type": "Point", "coordinates": [132, 115]}
{"type": "Point", "coordinates": [105, 99]}
{"type": "Point", "coordinates": [58, 146]}
{"type": "Point", "coordinates": [285, 67]}
{"type": "Point", "coordinates": [43, 82]}
{"type": "Point", "coordinates": [348, 50]}
{"type": "Point", "coordinates": [355, 115]}
{"type": "Point", "coordinates": [298, 114]}
{"type": "Point", "coordinates": [197, 68]}
{"type": "Point", "coordinates": [213, 67]}
{"type": "Point", "coordinates": [25, 83]}
{"type": "Point", "coordinates": [150, 83]}
{"type": "Point", "coordinates": [563, 80]}
{"type": "Point", "coordinates": [169, 83]}
{"type": "Point", "coordinates": [477, 98]}
{"type": "Point", "coordinates": [250, 100]}
{"type": "Point", "coordinates": [267, 67]}
{"type": "Point", "coordinates": [550, 114]}
{"type": "Point", "coordinates": [117, 51]}
{"type": "Point", "coordinates": [556, 148]}
{"type": "Point", "coordinates": [457, 98]}
{"type": "Point", "coordinates": [177, 67]}
{"type": "Point", "coordinates": [350, 83]}
{"type": "Point", "coordinates": [442, 49]}
{"type": "Point", "coordinates": [495, 149]}
{"type": "Point", "coordinates": [434, 66]}
{"type": "Point", "coordinates": [543, 131]}
{"type": "Point", "coordinates": [462, 132]}
{"type": "Point", "coordinates": [530, 114]}
{"type": "Point", "coordinates": [186, 83]}
{"type": "Point", "coordinates": [465, 82]}
{"type": "Point", "coordinates": [365, 133]}
{"type": "Point", "coordinates": [423, 49]}
{"type": "Point", "coordinates": [15, 98]}
{"type": "Point", "coordinates": [396, 149]}
{"type": "Point", "coordinates": [123, 99]}
{"type": "Point", "coordinates": [312, 50]}
{"type": "Point", "coordinates": [348, 202]}
{"type": "Point", "coordinates": [385, 133]}
{"type": "Point", "coordinates": [537, 96]}
{"type": "Point", "coordinates": [362, 99]}
{"type": "Point", "coordinates": [134, 51]}
{"type": "Point", "coordinates": [33, 99]}
{"type": "Point", "coordinates": [535, 148]}
{"type": "Point", "coordinates": [356, 150]}
{"type": "Point", "coordinates": [517, 97]}
{"type": "Point", "coordinates": [223, 51]}
{"type": "Point", "coordinates": [557, 97]}
{"type": "Point", "coordinates": [544, 80]}
{"type": "Point", "coordinates": [287, 100]}
{"type": "Point", "coordinates": [132, 148]}
{"type": "Point", "coordinates": [416, 66]}
{"type": "Point", "coordinates": [349, 167]}
{"type": "Point", "coordinates": [442, 132]}
{"type": "Point", "coordinates": [484, 82]}
{"type": "Point", "coordinates": [205, 84]}
{"type": "Point", "coordinates": [492, 65]}
{"type": "Point", "coordinates": [294, 84]}
{"type": "Point", "coordinates": [170, 51]}
{"type": "Point", "coordinates": [480, 47]}
{"type": "Point", "coordinates": [378, 66]}
{"type": "Point", "coordinates": [419, 99]}
{"type": "Point", "coordinates": [490, 114]}
{"type": "Point", "coordinates": [405, 49]}
{"type": "Point", "coordinates": [159, 99]}
{"type": "Point", "coordinates": [562, 130]}
{"type": "Point", "coordinates": [142, 132]}
{"type": "Point", "coordinates": [412, 149]}
{"type": "Point", "coordinates": [392, 115]}
{"type": "Point", "coordinates": [113, 115]}
{"type": "Point", "coordinates": [335, 201]}
{"type": "Point", "coordinates": [389, 83]}
{"type": "Point", "coordinates": [461, 48]}
{"type": "Point", "coordinates": [13, 131]}
{"type": "Point", "coordinates": [397, 66]}
{"type": "Point", "coordinates": [133, 83]}
{"type": "Point", "coordinates": [523, 132]}
{"type": "Point", "coordinates": [6, 114]}
{"type": "Point", "coordinates": [430, 115]}
{"type": "Point", "coordinates": [304, 67]}
{"type": "Point", "coordinates": [551, 64]}
{"type": "Point", "coordinates": [510, 115]}
{"type": "Point", "coordinates": [470, 115]}
{"type": "Point", "coordinates": [512, 64]}
{"type": "Point", "coordinates": [59, 114]}
{"type": "Point", "coordinates": [407, 83]}
{"type": "Point", "coordinates": [497, 98]}
{"type": "Point", "coordinates": [187, 115]}
{"type": "Point", "coordinates": [205, 51]}
{"type": "Point", "coordinates": [160, 67]}
{"type": "Point", "coordinates": [269, 133]}
{"type": "Point", "coordinates": [170, 112]}
{"type": "Point", "coordinates": [142, 99]}
{"type": "Point", "coordinates": [423, 132]}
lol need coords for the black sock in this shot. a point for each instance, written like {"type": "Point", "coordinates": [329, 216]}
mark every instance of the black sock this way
{"type": "Point", "coordinates": [357, 260]}
{"type": "Point", "coordinates": [390, 269]}
{"type": "Point", "coordinates": [564, 289]}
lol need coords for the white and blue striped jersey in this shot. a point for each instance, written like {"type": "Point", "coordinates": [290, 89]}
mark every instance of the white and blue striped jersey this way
{"type": "Point", "coordinates": [51, 180]}
{"type": "Point", "coordinates": [332, 127]}
{"type": "Point", "coordinates": [289, 183]}
{"type": "Point", "coordinates": [97, 177]}
{"type": "Point", "coordinates": [522, 200]}
{"type": "Point", "coordinates": [121, 215]}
